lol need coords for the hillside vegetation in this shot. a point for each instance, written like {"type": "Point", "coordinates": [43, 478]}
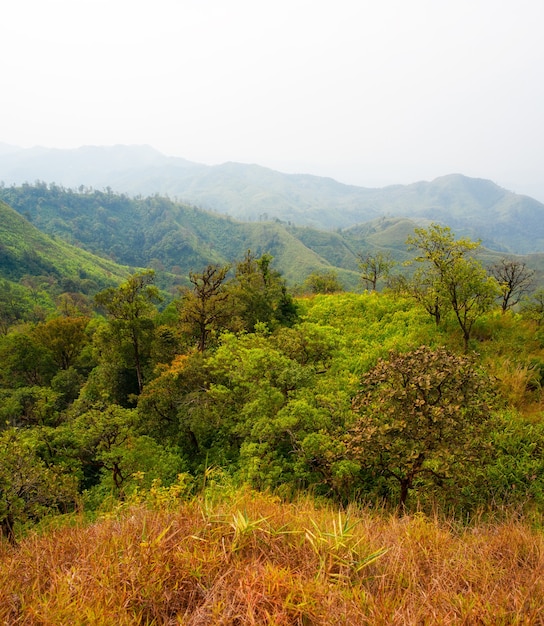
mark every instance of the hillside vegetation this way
{"type": "Point", "coordinates": [473, 207]}
{"type": "Point", "coordinates": [26, 251]}
{"type": "Point", "coordinates": [177, 238]}
{"type": "Point", "coordinates": [157, 458]}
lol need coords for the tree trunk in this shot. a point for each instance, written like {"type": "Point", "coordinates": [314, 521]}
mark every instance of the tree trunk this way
{"type": "Point", "coordinates": [6, 528]}
{"type": "Point", "coordinates": [405, 486]}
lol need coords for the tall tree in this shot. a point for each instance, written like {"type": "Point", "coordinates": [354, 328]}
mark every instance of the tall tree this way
{"type": "Point", "coordinates": [204, 308]}
{"type": "Point", "coordinates": [260, 294]}
{"type": "Point", "coordinates": [64, 337]}
{"type": "Point", "coordinates": [451, 277]}
{"type": "Point", "coordinates": [131, 307]}
{"type": "Point", "coordinates": [375, 267]}
{"type": "Point", "coordinates": [323, 282]}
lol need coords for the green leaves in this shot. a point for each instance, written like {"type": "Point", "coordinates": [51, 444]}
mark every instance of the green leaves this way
{"type": "Point", "coordinates": [28, 487]}
{"type": "Point", "coordinates": [450, 280]}
{"type": "Point", "coordinates": [423, 413]}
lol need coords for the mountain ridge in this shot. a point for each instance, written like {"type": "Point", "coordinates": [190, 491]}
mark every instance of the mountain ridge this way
{"type": "Point", "coordinates": [473, 207]}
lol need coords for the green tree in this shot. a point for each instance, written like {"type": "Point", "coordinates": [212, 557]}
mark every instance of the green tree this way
{"type": "Point", "coordinates": [29, 489]}
{"type": "Point", "coordinates": [451, 278]}
{"type": "Point", "coordinates": [423, 415]}
{"type": "Point", "coordinates": [112, 449]}
{"type": "Point", "coordinates": [131, 307]}
{"type": "Point", "coordinates": [533, 307]}
{"type": "Point", "coordinates": [323, 282]}
{"type": "Point", "coordinates": [204, 308]}
{"type": "Point", "coordinates": [24, 361]}
{"type": "Point", "coordinates": [64, 338]}
{"type": "Point", "coordinates": [13, 305]}
{"type": "Point", "coordinates": [260, 294]}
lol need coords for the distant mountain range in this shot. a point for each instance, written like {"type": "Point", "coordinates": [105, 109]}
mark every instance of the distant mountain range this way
{"type": "Point", "coordinates": [477, 208]}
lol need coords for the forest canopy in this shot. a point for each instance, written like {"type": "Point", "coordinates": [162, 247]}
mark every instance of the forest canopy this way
{"type": "Point", "coordinates": [399, 398]}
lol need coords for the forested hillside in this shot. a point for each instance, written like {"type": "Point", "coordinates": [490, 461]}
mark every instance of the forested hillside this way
{"type": "Point", "coordinates": [474, 207]}
{"type": "Point", "coordinates": [177, 238]}
{"type": "Point", "coordinates": [157, 232]}
{"type": "Point", "coordinates": [422, 396]}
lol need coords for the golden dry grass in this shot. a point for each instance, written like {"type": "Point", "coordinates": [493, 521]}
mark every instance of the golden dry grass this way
{"type": "Point", "coordinates": [254, 560]}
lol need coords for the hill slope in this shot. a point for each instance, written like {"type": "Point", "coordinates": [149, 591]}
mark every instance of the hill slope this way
{"type": "Point", "coordinates": [474, 207]}
{"type": "Point", "coordinates": [26, 251]}
{"type": "Point", "coordinates": [177, 238]}
{"type": "Point", "coordinates": [157, 232]}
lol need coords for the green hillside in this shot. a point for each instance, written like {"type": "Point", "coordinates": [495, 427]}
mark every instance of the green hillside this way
{"type": "Point", "coordinates": [166, 235]}
{"type": "Point", "coordinates": [176, 238]}
{"type": "Point", "coordinates": [474, 207]}
{"type": "Point", "coordinates": [25, 250]}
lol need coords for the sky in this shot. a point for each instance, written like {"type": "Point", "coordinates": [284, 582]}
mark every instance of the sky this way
{"type": "Point", "coordinates": [367, 92]}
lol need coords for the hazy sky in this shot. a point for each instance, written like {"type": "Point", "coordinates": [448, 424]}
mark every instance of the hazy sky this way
{"type": "Point", "coordinates": [368, 92]}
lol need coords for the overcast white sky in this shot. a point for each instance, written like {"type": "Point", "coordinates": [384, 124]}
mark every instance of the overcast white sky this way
{"type": "Point", "coordinates": [368, 92]}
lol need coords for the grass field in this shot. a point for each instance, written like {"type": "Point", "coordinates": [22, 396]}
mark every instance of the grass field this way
{"type": "Point", "coordinates": [251, 559]}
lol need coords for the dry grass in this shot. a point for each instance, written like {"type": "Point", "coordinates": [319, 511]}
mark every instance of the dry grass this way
{"type": "Point", "coordinates": [257, 561]}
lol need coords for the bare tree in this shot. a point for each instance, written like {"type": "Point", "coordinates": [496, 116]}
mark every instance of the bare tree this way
{"type": "Point", "coordinates": [375, 266]}
{"type": "Point", "coordinates": [514, 278]}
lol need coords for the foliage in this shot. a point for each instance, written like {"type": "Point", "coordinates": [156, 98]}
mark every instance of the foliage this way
{"type": "Point", "coordinates": [237, 378]}
{"type": "Point", "coordinates": [131, 307]}
{"type": "Point", "coordinates": [260, 294]}
{"type": "Point", "coordinates": [323, 282]}
{"type": "Point", "coordinates": [533, 307]}
{"type": "Point", "coordinates": [375, 267]}
{"type": "Point", "coordinates": [204, 309]}
{"type": "Point", "coordinates": [450, 278]}
{"type": "Point", "coordinates": [424, 415]}
{"type": "Point", "coordinates": [29, 489]}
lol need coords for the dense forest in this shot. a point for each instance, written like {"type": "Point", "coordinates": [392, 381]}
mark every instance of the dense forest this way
{"type": "Point", "coordinates": [384, 396]}
{"type": "Point", "coordinates": [423, 392]}
{"type": "Point", "coordinates": [175, 238]}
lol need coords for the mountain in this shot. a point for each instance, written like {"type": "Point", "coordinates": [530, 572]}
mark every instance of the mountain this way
{"type": "Point", "coordinates": [473, 207]}
{"type": "Point", "coordinates": [26, 252]}
{"type": "Point", "coordinates": [174, 237]}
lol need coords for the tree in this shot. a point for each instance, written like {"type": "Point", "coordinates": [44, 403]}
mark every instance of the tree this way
{"type": "Point", "coordinates": [375, 267]}
{"type": "Point", "coordinates": [260, 294]}
{"type": "Point", "coordinates": [514, 279]}
{"type": "Point", "coordinates": [131, 305]}
{"type": "Point", "coordinates": [24, 361]}
{"type": "Point", "coordinates": [323, 282]}
{"type": "Point", "coordinates": [533, 307]}
{"type": "Point", "coordinates": [423, 414]}
{"type": "Point", "coordinates": [64, 338]}
{"type": "Point", "coordinates": [111, 449]}
{"type": "Point", "coordinates": [204, 308]}
{"type": "Point", "coordinates": [450, 278]}
{"type": "Point", "coordinates": [13, 305]}
{"type": "Point", "coordinates": [29, 489]}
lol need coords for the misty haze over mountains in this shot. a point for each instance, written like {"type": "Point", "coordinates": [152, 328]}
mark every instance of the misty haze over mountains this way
{"type": "Point", "coordinates": [477, 208]}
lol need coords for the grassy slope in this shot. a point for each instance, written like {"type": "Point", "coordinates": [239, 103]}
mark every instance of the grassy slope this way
{"type": "Point", "coordinates": [24, 250]}
{"type": "Point", "coordinates": [251, 559]}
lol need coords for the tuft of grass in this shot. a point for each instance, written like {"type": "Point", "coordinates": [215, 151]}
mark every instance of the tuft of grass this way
{"type": "Point", "coordinates": [249, 559]}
